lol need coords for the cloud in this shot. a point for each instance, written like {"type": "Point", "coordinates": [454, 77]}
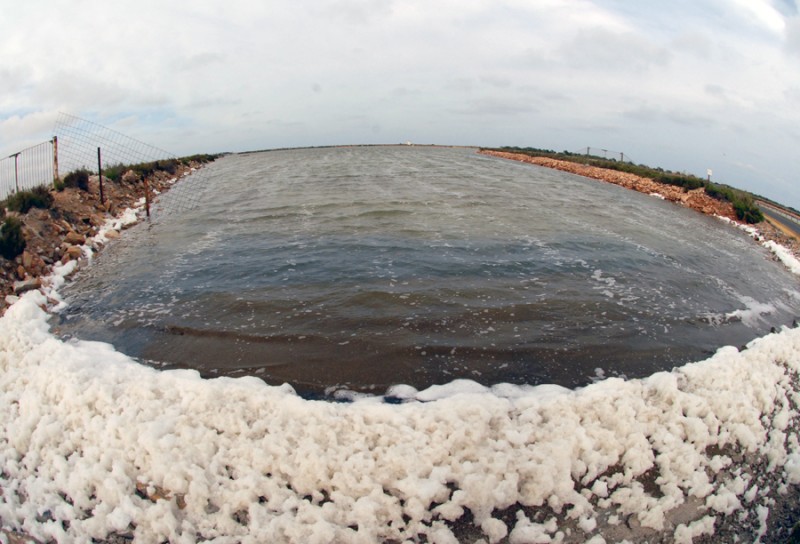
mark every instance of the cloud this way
{"type": "Point", "coordinates": [488, 105]}
{"type": "Point", "coordinates": [669, 80]}
{"type": "Point", "coordinates": [793, 36]}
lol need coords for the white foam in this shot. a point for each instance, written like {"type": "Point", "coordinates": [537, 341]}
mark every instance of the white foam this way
{"type": "Point", "coordinates": [95, 444]}
{"type": "Point", "coordinates": [84, 425]}
{"type": "Point", "coordinates": [783, 253]}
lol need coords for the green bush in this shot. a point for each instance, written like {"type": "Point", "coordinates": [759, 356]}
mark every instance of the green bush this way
{"type": "Point", "coordinates": [78, 178]}
{"type": "Point", "coordinates": [58, 185]}
{"type": "Point", "coordinates": [747, 210]}
{"type": "Point", "coordinates": [22, 201]}
{"type": "Point", "coordinates": [12, 242]}
{"type": "Point", "coordinates": [115, 172]}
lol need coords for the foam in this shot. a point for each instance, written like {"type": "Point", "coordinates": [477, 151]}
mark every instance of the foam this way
{"type": "Point", "coordinates": [94, 444]}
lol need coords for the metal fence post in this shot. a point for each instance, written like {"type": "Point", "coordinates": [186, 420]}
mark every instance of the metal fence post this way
{"type": "Point", "coordinates": [16, 170]}
{"type": "Point", "coordinates": [100, 176]}
{"type": "Point", "coordinates": [147, 197]}
{"type": "Point", "coordinates": [55, 160]}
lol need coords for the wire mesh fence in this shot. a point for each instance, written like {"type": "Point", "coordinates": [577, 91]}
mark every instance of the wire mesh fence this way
{"type": "Point", "coordinates": [78, 140]}
{"type": "Point", "coordinates": [27, 169]}
{"type": "Point", "coordinates": [605, 153]}
{"type": "Point", "coordinates": [79, 144]}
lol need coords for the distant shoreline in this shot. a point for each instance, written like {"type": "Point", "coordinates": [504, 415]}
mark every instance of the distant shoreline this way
{"type": "Point", "coordinates": [694, 199]}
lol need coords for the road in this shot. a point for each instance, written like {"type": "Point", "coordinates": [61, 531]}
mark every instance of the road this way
{"type": "Point", "coordinates": [787, 225]}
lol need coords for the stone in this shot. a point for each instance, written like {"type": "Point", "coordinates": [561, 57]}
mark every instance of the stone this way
{"type": "Point", "coordinates": [21, 272]}
{"type": "Point", "coordinates": [112, 234]}
{"type": "Point", "coordinates": [27, 259]}
{"type": "Point", "coordinates": [21, 287]}
{"type": "Point", "coordinates": [74, 238]}
{"type": "Point", "coordinates": [74, 252]}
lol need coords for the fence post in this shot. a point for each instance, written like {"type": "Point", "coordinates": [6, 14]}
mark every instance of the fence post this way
{"type": "Point", "coordinates": [100, 176]}
{"type": "Point", "coordinates": [55, 160]}
{"type": "Point", "coordinates": [147, 197]}
{"type": "Point", "coordinates": [16, 170]}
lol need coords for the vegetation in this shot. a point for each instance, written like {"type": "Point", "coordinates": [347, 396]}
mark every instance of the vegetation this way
{"type": "Point", "coordinates": [743, 203]}
{"type": "Point", "coordinates": [78, 178]}
{"type": "Point", "coordinates": [22, 201]}
{"type": "Point", "coordinates": [145, 169]}
{"type": "Point", "coordinates": [12, 242]}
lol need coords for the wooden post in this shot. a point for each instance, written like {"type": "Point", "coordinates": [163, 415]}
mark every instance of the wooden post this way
{"type": "Point", "coordinates": [55, 160]}
{"type": "Point", "coordinates": [100, 176]}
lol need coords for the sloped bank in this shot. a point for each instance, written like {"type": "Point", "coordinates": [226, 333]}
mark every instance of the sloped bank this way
{"type": "Point", "coordinates": [59, 232]}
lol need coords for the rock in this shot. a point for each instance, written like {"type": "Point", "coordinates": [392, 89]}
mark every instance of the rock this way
{"type": "Point", "coordinates": [27, 259]}
{"type": "Point", "coordinates": [21, 272]}
{"type": "Point", "coordinates": [74, 252]}
{"type": "Point", "coordinates": [21, 287]}
{"type": "Point", "coordinates": [112, 234]}
{"type": "Point", "coordinates": [130, 177]}
{"type": "Point", "coordinates": [74, 238]}
{"type": "Point", "coordinates": [11, 299]}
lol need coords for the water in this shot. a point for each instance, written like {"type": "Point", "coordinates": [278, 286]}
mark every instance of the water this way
{"type": "Point", "coordinates": [360, 268]}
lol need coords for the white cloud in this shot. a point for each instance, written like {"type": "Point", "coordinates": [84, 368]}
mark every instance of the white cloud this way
{"type": "Point", "coordinates": [247, 75]}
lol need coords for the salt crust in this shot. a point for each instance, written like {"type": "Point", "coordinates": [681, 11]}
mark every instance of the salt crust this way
{"type": "Point", "coordinates": [235, 460]}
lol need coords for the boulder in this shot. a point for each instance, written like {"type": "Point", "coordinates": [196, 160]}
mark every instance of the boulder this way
{"type": "Point", "coordinates": [21, 287]}
{"type": "Point", "coordinates": [74, 252]}
{"type": "Point", "coordinates": [74, 238]}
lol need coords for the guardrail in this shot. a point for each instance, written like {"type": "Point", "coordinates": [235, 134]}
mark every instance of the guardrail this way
{"type": "Point", "coordinates": [779, 211]}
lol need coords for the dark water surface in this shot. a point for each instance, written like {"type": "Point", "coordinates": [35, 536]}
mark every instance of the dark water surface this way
{"type": "Point", "coordinates": [367, 267]}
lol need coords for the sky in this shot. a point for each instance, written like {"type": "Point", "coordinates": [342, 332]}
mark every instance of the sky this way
{"type": "Point", "coordinates": [687, 85]}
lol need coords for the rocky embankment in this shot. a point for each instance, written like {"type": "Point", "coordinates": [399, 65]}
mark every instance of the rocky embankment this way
{"type": "Point", "coordinates": [695, 199]}
{"type": "Point", "coordinates": [59, 233]}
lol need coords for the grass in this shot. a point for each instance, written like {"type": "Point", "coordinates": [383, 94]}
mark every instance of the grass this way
{"type": "Point", "coordinates": [146, 169]}
{"type": "Point", "coordinates": [23, 201]}
{"type": "Point", "coordinates": [743, 203]}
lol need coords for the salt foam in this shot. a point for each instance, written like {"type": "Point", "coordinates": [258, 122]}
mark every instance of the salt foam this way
{"type": "Point", "coordinates": [94, 444]}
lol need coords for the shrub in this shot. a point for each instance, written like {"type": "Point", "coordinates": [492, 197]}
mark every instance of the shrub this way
{"type": "Point", "coordinates": [747, 210]}
{"type": "Point", "coordinates": [115, 172]}
{"type": "Point", "coordinates": [58, 185]}
{"type": "Point", "coordinates": [38, 197]}
{"type": "Point", "coordinates": [78, 178]}
{"type": "Point", "coordinates": [12, 242]}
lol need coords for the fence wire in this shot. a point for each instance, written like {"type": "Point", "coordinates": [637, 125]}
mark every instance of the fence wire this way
{"type": "Point", "coordinates": [27, 169]}
{"type": "Point", "coordinates": [605, 153]}
{"type": "Point", "coordinates": [77, 143]}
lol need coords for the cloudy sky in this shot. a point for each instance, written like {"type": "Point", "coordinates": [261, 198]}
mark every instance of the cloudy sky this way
{"type": "Point", "coordinates": [686, 84]}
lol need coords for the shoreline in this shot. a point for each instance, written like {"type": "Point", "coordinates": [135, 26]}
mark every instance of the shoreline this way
{"type": "Point", "coordinates": [695, 199]}
{"type": "Point", "coordinates": [68, 230]}
{"type": "Point", "coordinates": [602, 512]}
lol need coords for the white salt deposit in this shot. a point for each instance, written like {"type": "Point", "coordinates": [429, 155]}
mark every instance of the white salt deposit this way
{"type": "Point", "coordinates": [94, 444]}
